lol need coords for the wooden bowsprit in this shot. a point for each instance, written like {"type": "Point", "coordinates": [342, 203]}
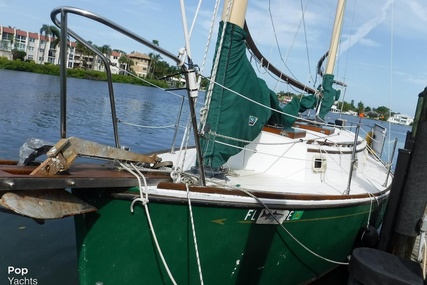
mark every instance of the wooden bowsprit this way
{"type": "Point", "coordinates": [40, 192]}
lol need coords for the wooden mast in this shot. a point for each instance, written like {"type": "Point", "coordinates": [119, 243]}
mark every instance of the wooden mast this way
{"type": "Point", "coordinates": [237, 12]}
{"type": "Point", "coordinates": [336, 32]}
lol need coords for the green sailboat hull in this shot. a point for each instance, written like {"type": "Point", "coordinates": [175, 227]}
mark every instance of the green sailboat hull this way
{"type": "Point", "coordinates": [116, 246]}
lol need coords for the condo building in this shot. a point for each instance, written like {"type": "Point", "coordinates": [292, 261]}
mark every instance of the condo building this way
{"type": "Point", "coordinates": [41, 50]}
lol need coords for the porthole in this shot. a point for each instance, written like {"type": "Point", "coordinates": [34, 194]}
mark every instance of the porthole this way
{"type": "Point", "coordinates": [319, 164]}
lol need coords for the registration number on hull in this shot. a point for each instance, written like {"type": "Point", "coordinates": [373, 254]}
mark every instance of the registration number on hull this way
{"type": "Point", "coordinates": [273, 216]}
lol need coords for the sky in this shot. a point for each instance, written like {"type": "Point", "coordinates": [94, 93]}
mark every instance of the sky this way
{"type": "Point", "coordinates": [382, 55]}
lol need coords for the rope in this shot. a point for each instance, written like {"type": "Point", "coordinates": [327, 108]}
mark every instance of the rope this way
{"type": "Point", "coordinates": [196, 249]}
{"type": "Point", "coordinates": [148, 127]}
{"type": "Point", "coordinates": [177, 172]}
{"type": "Point", "coordinates": [205, 55]}
{"type": "Point", "coordinates": [144, 200]}
{"type": "Point", "coordinates": [289, 233]}
{"type": "Point", "coordinates": [215, 69]}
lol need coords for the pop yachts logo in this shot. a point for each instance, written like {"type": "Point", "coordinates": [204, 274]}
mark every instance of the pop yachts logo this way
{"type": "Point", "coordinates": [17, 276]}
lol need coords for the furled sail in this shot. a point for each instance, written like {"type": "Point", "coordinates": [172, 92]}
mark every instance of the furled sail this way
{"type": "Point", "coordinates": [326, 97]}
{"type": "Point", "coordinates": [233, 120]}
{"type": "Point", "coordinates": [238, 112]}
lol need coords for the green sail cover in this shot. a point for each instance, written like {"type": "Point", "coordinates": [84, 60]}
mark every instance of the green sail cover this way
{"type": "Point", "coordinates": [329, 95]}
{"type": "Point", "coordinates": [230, 115]}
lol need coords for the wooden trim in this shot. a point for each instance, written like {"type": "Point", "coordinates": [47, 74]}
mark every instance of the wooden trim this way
{"type": "Point", "coordinates": [315, 128]}
{"type": "Point", "coordinates": [317, 150]}
{"type": "Point", "coordinates": [290, 133]}
{"type": "Point", "coordinates": [263, 194]}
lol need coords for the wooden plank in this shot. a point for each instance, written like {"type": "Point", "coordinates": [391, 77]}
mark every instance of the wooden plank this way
{"type": "Point", "coordinates": [313, 127]}
{"type": "Point", "coordinates": [290, 133]}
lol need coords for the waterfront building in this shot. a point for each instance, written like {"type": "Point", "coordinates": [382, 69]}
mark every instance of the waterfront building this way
{"type": "Point", "coordinates": [41, 50]}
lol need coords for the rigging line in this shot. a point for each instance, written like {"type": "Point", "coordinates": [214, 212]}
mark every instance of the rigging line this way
{"type": "Point", "coordinates": [305, 36]}
{"type": "Point", "coordinates": [349, 42]}
{"type": "Point", "coordinates": [208, 41]}
{"type": "Point", "coordinates": [274, 32]}
{"type": "Point", "coordinates": [195, 18]}
{"type": "Point", "coordinates": [178, 169]}
{"type": "Point", "coordinates": [248, 142]}
{"type": "Point", "coordinates": [268, 107]}
{"type": "Point", "coordinates": [193, 228]}
{"type": "Point", "coordinates": [215, 68]}
{"type": "Point", "coordinates": [144, 200]}
{"type": "Point", "coordinates": [156, 86]}
{"type": "Point", "coordinates": [287, 231]}
{"type": "Point", "coordinates": [255, 102]}
{"type": "Point", "coordinates": [147, 127]}
{"type": "Point", "coordinates": [391, 70]}
{"type": "Point", "coordinates": [265, 63]}
{"type": "Point", "coordinates": [261, 152]}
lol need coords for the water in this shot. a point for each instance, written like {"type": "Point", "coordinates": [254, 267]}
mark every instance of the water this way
{"type": "Point", "coordinates": [394, 132]}
{"type": "Point", "coordinates": [30, 108]}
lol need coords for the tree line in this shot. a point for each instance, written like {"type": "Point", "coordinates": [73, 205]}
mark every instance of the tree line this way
{"type": "Point", "coordinates": [158, 68]}
{"type": "Point", "coordinates": [380, 113]}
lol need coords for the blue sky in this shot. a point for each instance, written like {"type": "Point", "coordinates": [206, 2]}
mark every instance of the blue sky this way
{"type": "Point", "coordinates": [383, 45]}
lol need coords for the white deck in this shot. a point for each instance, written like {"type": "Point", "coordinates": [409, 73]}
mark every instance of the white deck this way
{"type": "Point", "coordinates": [275, 163]}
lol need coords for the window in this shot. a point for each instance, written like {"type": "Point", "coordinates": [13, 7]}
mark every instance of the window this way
{"type": "Point", "coordinates": [19, 46]}
{"type": "Point", "coordinates": [319, 164]}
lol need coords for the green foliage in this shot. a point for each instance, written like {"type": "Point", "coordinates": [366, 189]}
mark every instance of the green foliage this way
{"type": "Point", "coordinates": [204, 83]}
{"type": "Point", "coordinates": [345, 106]}
{"type": "Point", "coordinates": [18, 54]}
{"type": "Point", "coordinates": [384, 112]}
{"type": "Point", "coordinates": [76, 73]}
{"type": "Point", "coordinates": [360, 107]}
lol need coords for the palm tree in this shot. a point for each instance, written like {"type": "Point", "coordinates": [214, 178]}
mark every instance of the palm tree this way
{"type": "Point", "coordinates": [126, 61]}
{"type": "Point", "coordinates": [48, 30]}
{"type": "Point", "coordinates": [84, 51]}
{"type": "Point", "coordinates": [154, 60]}
{"type": "Point", "coordinates": [106, 50]}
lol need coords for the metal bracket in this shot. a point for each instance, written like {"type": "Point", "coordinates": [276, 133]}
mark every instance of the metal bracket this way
{"type": "Point", "coordinates": [62, 155]}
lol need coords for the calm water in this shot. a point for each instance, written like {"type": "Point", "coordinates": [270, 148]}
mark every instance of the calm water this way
{"type": "Point", "coordinates": [30, 108]}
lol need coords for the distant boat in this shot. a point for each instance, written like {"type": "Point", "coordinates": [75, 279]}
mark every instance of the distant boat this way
{"type": "Point", "coordinates": [352, 113]}
{"type": "Point", "coordinates": [401, 119]}
{"type": "Point", "coordinates": [334, 109]}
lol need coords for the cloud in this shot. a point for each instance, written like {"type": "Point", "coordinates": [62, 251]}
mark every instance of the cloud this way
{"type": "Point", "coordinates": [365, 29]}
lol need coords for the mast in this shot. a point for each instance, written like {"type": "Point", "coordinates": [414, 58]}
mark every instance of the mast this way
{"type": "Point", "coordinates": [330, 95]}
{"type": "Point", "coordinates": [237, 12]}
{"type": "Point", "coordinates": [336, 32]}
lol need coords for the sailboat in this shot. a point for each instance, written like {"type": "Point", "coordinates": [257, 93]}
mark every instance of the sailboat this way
{"type": "Point", "coordinates": [263, 197]}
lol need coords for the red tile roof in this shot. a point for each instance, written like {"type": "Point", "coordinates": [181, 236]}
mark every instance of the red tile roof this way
{"type": "Point", "coordinates": [8, 30]}
{"type": "Point", "coordinates": [21, 33]}
{"type": "Point", "coordinates": [33, 35]}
